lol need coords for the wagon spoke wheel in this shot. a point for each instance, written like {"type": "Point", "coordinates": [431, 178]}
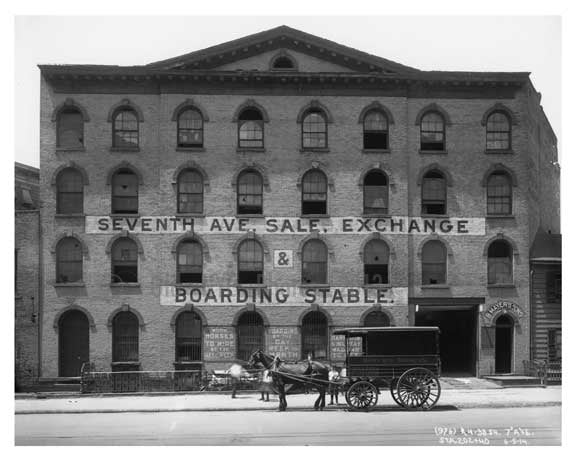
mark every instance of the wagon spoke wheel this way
{"type": "Point", "coordinates": [394, 392]}
{"type": "Point", "coordinates": [362, 395]}
{"type": "Point", "coordinates": [418, 388]}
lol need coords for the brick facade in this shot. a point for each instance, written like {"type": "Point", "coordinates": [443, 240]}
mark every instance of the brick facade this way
{"type": "Point", "coordinates": [282, 162]}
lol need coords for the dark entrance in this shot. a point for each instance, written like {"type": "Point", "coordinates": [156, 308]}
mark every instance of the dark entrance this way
{"type": "Point", "coordinates": [74, 341]}
{"type": "Point", "coordinates": [457, 337]}
{"type": "Point", "coordinates": [504, 341]}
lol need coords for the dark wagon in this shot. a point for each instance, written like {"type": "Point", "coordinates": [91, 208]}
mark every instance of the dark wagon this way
{"type": "Point", "coordinates": [405, 360]}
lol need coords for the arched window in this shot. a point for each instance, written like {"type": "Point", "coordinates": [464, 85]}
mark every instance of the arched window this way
{"type": "Point", "coordinates": [375, 130]}
{"type": "Point", "coordinates": [315, 336]}
{"type": "Point", "coordinates": [69, 192]}
{"type": "Point", "coordinates": [70, 129]}
{"type": "Point", "coordinates": [190, 128]}
{"type": "Point", "coordinates": [250, 128]}
{"type": "Point", "coordinates": [314, 130]}
{"type": "Point", "coordinates": [499, 194]}
{"type": "Point", "coordinates": [498, 132]}
{"type": "Point", "coordinates": [188, 337]}
{"type": "Point", "coordinates": [250, 334]}
{"type": "Point", "coordinates": [434, 263]}
{"type": "Point", "coordinates": [314, 262]}
{"type": "Point", "coordinates": [376, 256]}
{"type": "Point", "coordinates": [432, 132]}
{"type": "Point", "coordinates": [125, 128]}
{"type": "Point", "coordinates": [190, 192]}
{"type": "Point", "coordinates": [124, 261]}
{"type": "Point", "coordinates": [189, 265]}
{"type": "Point", "coordinates": [68, 260]}
{"type": "Point", "coordinates": [250, 262]}
{"type": "Point", "coordinates": [377, 319]}
{"type": "Point", "coordinates": [124, 192]}
{"type": "Point", "coordinates": [375, 193]}
{"type": "Point", "coordinates": [125, 337]}
{"type": "Point", "coordinates": [499, 263]}
{"type": "Point", "coordinates": [250, 192]}
{"type": "Point", "coordinates": [434, 193]}
{"type": "Point", "coordinates": [314, 193]}
{"type": "Point", "coordinates": [283, 63]}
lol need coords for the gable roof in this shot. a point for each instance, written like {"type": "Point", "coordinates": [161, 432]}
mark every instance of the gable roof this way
{"type": "Point", "coordinates": [282, 37]}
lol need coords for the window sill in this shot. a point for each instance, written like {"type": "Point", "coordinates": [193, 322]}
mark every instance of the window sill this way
{"type": "Point", "coordinates": [69, 215]}
{"type": "Point", "coordinates": [251, 285]}
{"type": "Point", "coordinates": [125, 149]}
{"type": "Point", "coordinates": [257, 215]}
{"type": "Point", "coordinates": [70, 149]}
{"type": "Point", "coordinates": [314, 215]}
{"type": "Point", "coordinates": [247, 150]}
{"type": "Point", "coordinates": [440, 216]}
{"type": "Point", "coordinates": [377, 285]}
{"type": "Point", "coordinates": [501, 285]}
{"type": "Point", "coordinates": [499, 151]}
{"type": "Point", "coordinates": [124, 215]}
{"type": "Point", "coordinates": [68, 284]}
{"type": "Point", "coordinates": [439, 286]}
{"type": "Point", "coordinates": [191, 284]}
{"type": "Point", "coordinates": [376, 215]}
{"type": "Point", "coordinates": [190, 215]}
{"type": "Point", "coordinates": [314, 285]}
{"type": "Point", "coordinates": [376, 151]}
{"type": "Point", "coordinates": [500, 216]}
{"type": "Point", "coordinates": [125, 363]}
{"type": "Point", "coordinates": [312, 150]}
{"type": "Point", "coordinates": [435, 152]}
{"type": "Point", "coordinates": [125, 285]}
{"type": "Point", "coordinates": [190, 149]}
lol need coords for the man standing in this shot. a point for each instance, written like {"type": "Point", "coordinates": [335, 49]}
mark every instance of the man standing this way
{"type": "Point", "coordinates": [236, 372]}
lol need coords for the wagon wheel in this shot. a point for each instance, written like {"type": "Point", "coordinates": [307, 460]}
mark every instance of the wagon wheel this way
{"type": "Point", "coordinates": [394, 392]}
{"type": "Point", "coordinates": [362, 395]}
{"type": "Point", "coordinates": [418, 388]}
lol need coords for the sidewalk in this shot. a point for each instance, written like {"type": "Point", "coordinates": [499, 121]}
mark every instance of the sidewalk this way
{"type": "Point", "coordinates": [459, 398]}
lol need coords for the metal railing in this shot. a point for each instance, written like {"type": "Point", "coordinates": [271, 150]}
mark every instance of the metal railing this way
{"type": "Point", "coordinates": [548, 371]}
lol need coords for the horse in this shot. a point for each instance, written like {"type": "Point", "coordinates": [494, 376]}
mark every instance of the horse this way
{"type": "Point", "coordinates": [307, 371]}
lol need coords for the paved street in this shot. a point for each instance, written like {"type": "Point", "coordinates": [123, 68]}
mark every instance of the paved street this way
{"type": "Point", "coordinates": [384, 426]}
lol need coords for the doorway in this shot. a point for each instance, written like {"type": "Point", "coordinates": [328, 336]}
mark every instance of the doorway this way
{"type": "Point", "coordinates": [504, 342]}
{"type": "Point", "coordinates": [457, 337]}
{"type": "Point", "coordinates": [74, 342]}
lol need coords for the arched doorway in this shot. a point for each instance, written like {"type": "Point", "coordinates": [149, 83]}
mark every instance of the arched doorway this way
{"type": "Point", "coordinates": [74, 342]}
{"type": "Point", "coordinates": [504, 342]}
{"type": "Point", "coordinates": [249, 334]}
{"type": "Point", "coordinates": [315, 336]}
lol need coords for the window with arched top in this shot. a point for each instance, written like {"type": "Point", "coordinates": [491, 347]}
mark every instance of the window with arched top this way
{"type": "Point", "coordinates": [376, 258]}
{"type": "Point", "coordinates": [189, 262]}
{"type": "Point", "coordinates": [125, 129]}
{"type": "Point", "coordinates": [377, 319]}
{"type": "Point", "coordinates": [375, 193]}
{"type": "Point", "coordinates": [124, 192]}
{"type": "Point", "coordinates": [70, 129]}
{"type": "Point", "coordinates": [434, 263]}
{"type": "Point", "coordinates": [434, 193]}
{"type": "Point", "coordinates": [375, 130]}
{"type": "Point", "coordinates": [314, 193]}
{"type": "Point", "coordinates": [250, 262]}
{"type": "Point", "coordinates": [125, 337]}
{"type": "Point", "coordinates": [249, 334]}
{"type": "Point", "coordinates": [69, 192]}
{"type": "Point", "coordinates": [124, 261]}
{"type": "Point", "coordinates": [190, 192]}
{"type": "Point", "coordinates": [314, 130]}
{"type": "Point", "coordinates": [432, 132]}
{"type": "Point", "coordinates": [314, 262]}
{"type": "Point", "coordinates": [69, 261]}
{"type": "Point", "coordinates": [499, 194]}
{"type": "Point", "coordinates": [250, 190]}
{"type": "Point", "coordinates": [500, 263]}
{"type": "Point", "coordinates": [190, 128]}
{"type": "Point", "coordinates": [283, 63]}
{"type": "Point", "coordinates": [188, 337]}
{"type": "Point", "coordinates": [250, 128]}
{"type": "Point", "coordinates": [498, 132]}
{"type": "Point", "coordinates": [315, 336]}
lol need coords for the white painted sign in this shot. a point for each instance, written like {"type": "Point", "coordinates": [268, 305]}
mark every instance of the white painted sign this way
{"type": "Point", "coordinates": [283, 258]}
{"type": "Point", "coordinates": [285, 225]}
{"type": "Point", "coordinates": [289, 296]}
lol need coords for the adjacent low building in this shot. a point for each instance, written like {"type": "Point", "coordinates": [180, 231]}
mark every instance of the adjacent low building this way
{"type": "Point", "coordinates": [263, 192]}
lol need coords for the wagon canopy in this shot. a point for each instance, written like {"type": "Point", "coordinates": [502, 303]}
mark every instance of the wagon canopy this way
{"type": "Point", "coordinates": [395, 340]}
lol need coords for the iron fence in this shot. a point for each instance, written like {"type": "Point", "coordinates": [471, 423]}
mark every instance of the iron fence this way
{"type": "Point", "coordinates": [549, 371]}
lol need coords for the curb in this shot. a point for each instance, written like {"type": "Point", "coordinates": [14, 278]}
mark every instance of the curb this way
{"type": "Point", "coordinates": [457, 406]}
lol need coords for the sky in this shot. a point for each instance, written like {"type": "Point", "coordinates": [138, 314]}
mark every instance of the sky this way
{"type": "Point", "coordinates": [457, 43]}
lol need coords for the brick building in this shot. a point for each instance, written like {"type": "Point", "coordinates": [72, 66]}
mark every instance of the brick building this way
{"type": "Point", "coordinates": [26, 273]}
{"type": "Point", "coordinates": [262, 192]}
